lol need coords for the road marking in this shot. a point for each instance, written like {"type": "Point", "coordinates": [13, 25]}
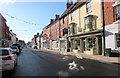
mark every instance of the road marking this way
{"type": "Point", "coordinates": [82, 67]}
{"type": "Point", "coordinates": [73, 66]}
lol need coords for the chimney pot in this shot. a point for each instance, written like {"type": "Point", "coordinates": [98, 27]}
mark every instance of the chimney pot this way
{"type": "Point", "coordinates": [57, 17]}
{"type": "Point", "coordinates": [69, 3]}
{"type": "Point", "coordinates": [51, 21]}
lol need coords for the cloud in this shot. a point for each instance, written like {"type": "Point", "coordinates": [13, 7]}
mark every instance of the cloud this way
{"type": "Point", "coordinates": [7, 1]}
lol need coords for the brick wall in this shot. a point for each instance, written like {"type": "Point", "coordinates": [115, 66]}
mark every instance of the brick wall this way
{"type": "Point", "coordinates": [109, 17]}
{"type": "Point", "coordinates": [0, 26]}
{"type": "Point", "coordinates": [4, 29]}
{"type": "Point", "coordinates": [63, 24]}
{"type": "Point", "coordinates": [46, 33]}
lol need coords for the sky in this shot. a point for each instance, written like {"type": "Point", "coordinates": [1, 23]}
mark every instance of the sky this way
{"type": "Point", "coordinates": [36, 14]}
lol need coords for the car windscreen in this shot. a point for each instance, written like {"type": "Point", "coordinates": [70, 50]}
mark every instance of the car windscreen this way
{"type": "Point", "coordinates": [4, 52]}
{"type": "Point", "coordinates": [16, 45]}
{"type": "Point", "coordinates": [13, 47]}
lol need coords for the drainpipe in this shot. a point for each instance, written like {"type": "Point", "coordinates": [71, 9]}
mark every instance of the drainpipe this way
{"type": "Point", "coordinates": [103, 25]}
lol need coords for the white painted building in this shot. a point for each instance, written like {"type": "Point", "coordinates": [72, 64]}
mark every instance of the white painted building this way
{"type": "Point", "coordinates": [38, 41]}
{"type": "Point", "coordinates": [112, 36]}
{"type": "Point", "coordinates": [112, 31]}
{"type": "Point", "coordinates": [42, 42]}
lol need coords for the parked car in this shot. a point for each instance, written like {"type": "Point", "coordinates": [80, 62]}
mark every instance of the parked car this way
{"type": "Point", "coordinates": [9, 59]}
{"type": "Point", "coordinates": [34, 46]}
{"type": "Point", "coordinates": [18, 45]}
{"type": "Point", "coordinates": [15, 49]}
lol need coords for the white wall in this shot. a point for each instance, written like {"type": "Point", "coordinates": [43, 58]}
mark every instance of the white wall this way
{"type": "Point", "coordinates": [38, 42]}
{"type": "Point", "coordinates": [110, 38]}
{"type": "Point", "coordinates": [42, 42]}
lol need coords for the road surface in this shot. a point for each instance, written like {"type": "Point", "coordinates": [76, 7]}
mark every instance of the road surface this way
{"type": "Point", "coordinates": [43, 63]}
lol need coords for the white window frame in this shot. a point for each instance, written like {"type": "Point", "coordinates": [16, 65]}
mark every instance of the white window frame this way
{"type": "Point", "coordinates": [117, 12]}
{"type": "Point", "coordinates": [88, 6]}
{"type": "Point", "coordinates": [88, 20]}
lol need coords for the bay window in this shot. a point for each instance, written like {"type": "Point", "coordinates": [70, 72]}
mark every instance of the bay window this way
{"type": "Point", "coordinates": [88, 22]}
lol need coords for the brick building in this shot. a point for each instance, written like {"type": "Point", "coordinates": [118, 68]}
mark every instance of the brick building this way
{"type": "Point", "coordinates": [112, 25]}
{"type": "Point", "coordinates": [55, 33]}
{"type": "Point", "coordinates": [46, 36]}
{"type": "Point", "coordinates": [109, 16]}
{"type": "Point", "coordinates": [4, 32]}
{"type": "Point", "coordinates": [63, 41]}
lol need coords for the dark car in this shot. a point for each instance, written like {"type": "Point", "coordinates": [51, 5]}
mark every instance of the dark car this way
{"type": "Point", "coordinates": [35, 47]}
{"type": "Point", "coordinates": [18, 45]}
{"type": "Point", "coordinates": [15, 49]}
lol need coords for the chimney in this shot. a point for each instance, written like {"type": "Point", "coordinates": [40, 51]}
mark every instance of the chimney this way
{"type": "Point", "coordinates": [51, 21]}
{"type": "Point", "coordinates": [69, 3]}
{"type": "Point", "coordinates": [37, 34]}
{"type": "Point", "coordinates": [57, 17]}
{"type": "Point", "coordinates": [11, 30]}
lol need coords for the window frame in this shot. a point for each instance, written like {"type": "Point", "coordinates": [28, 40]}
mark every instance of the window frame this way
{"type": "Point", "coordinates": [88, 20]}
{"type": "Point", "coordinates": [88, 6]}
{"type": "Point", "coordinates": [117, 38]}
{"type": "Point", "coordinates": [117, 12]}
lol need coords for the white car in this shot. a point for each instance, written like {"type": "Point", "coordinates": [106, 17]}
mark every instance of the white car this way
{"type": "Point", "coordinates": [9, 59]}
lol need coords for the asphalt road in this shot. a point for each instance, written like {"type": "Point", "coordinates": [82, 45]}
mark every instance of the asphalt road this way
{"type": "Point", "coordinates": [43, 63]}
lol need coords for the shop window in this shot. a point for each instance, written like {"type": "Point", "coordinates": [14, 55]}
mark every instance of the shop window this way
{"type": "Point", "coordinates": [91, 44]}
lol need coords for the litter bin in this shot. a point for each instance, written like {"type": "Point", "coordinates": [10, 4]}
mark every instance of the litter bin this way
{"type": "Point", "coordinates": [108, 52]}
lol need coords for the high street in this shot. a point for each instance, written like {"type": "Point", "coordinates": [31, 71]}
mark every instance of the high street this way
{"type": "Point", "coordinates": [42, 63]}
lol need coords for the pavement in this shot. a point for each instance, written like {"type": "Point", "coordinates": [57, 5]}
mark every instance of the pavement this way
{"type": "Point", "coordinates": [101, 58]}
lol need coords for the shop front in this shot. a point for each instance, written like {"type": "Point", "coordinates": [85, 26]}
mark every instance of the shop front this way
{"type": "Point", "coordinates": [88, 43]}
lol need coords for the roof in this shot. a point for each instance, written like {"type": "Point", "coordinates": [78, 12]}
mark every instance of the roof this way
{"type": "Point", "coordinates": [66, 11]}
{"type": "Point", "coordinates": [76, 5]}
{"type": "Point", "coordinates": [72, 8]}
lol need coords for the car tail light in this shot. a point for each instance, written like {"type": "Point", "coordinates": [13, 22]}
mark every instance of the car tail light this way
{"type": "Point", "coordinates": [7, 58]}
